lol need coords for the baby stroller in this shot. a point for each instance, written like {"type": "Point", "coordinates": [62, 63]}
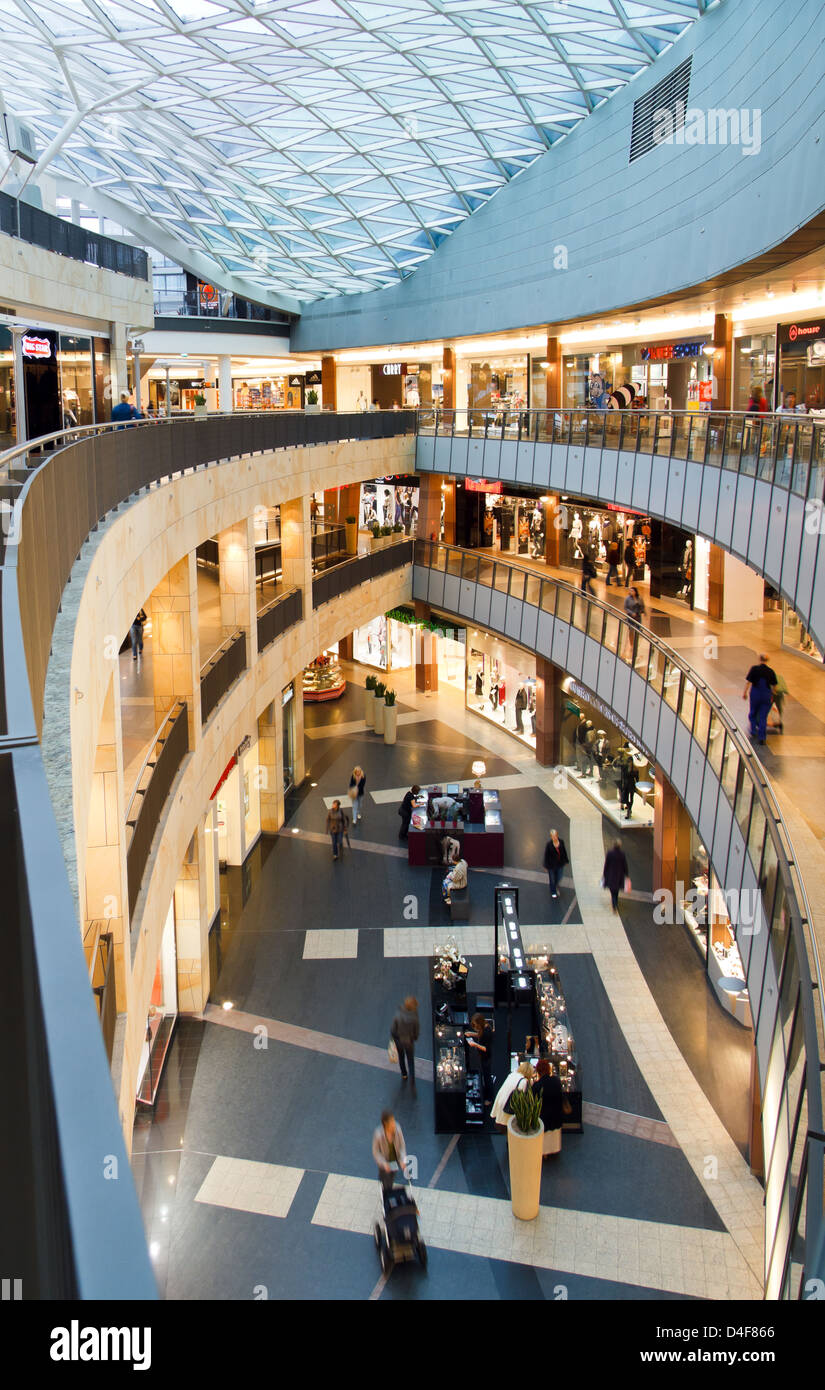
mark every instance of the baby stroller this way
{"type": "Point", "coordinates": [397, 1237]}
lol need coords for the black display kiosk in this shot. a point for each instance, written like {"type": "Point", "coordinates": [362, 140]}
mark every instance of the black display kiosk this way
{"type": "Point", "coordinates": [527, 1011]}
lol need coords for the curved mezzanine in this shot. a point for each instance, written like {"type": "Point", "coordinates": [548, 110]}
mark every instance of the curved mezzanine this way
{"type": "Point", "coordinates": [687, 732]}
{"type": "Point", "coordinates": [754, 485]}
{"type": "Point", "coordinates": [68, 924]}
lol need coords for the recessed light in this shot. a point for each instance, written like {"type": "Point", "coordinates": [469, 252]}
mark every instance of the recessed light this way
{"type": "Point", "coordinates": [295, 830]}
{"type": "Point", "coordinates": [227, 1005]}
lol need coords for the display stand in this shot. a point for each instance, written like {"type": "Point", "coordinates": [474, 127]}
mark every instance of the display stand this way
{"type": "Point", "coordinates": [481, 840]}
{"type": "Point", "coordinates": [323, 680]}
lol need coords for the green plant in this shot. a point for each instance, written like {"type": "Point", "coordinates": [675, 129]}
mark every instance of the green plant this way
{"type": "Point", "coordinates": [397, 528]}
{"type": "Point", "coordinates": [379, 689]}
{"type": "Point", "coordinates": [200, 398]}
{"type": "Point", "coordinates": [386, 530]}
{"type": "Point", "coordinates": [371, 682]}
{"type": "Point", "coordinates": [389, 697]}
{"type": "Point", "coordinates": [376, 530]}
{"type": "Point", "coordinates": [526, 1107]}
{"type": "Point", "coordinates": [351, 520]}
{"type": "Point", "coordinates": [312, 397]}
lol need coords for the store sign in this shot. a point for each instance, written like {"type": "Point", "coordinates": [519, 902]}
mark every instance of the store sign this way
{"type": "Point", "coordinates": [393, 369]}
{"type": "Point", "coordinates": [482, 485]}
{"type": "Point", "coordinates": [35, 346]}
{"type": "Point", "coordinates": [296, 381]}
{"type": "Point", "coordinates": [582, 693]}
{"type": "Point", "coordinates": [667, 352]}
{"type": "Point", "coordinates": [208, 295]}
{"type": "Point", "coordinates": [794, 332]}
{"type": "Point", "coordinates": [313, 378]}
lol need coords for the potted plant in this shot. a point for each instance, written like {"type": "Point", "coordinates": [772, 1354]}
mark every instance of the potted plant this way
{"type": "Point", "coordinates": [390, 716]}
{"type": "Point", "coordinates": [524, 1145]}
{"type": "Point", "coordinates": [312, 404]}
{"type": "Point", "coordinates": [369, 702]}
{"type": "Point", "coordinates": [351, 528]}
{"type": "Point", "coordinates": [380, 707]}
{"type": "Point", "coordinates": [398, 532]}
{"type": "Point", "coordinates": [377, 540]}
{"type": "Point", "coordinates": [386, 535]}
{"type": "Point", "coordinates": [200, 405]}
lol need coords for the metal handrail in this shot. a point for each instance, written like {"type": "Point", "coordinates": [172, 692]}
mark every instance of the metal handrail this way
{"type": "Point", "coordinates": [743, 746]}
{"type": "Point", "coordinates": [219, 651]}
{"type": "Point", "coordinates": [159, 737]}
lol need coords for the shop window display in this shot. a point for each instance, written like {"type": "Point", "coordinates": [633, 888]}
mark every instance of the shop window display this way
{"type": "Point", "coordinates": [613, 772]}
{"type": "Point", "coordinates": [591, 531]}
{"type": "Point", "coordinates": [501, 686]}
{"type": "Point", "coordinates": [385, 643]}
{"type": "Point", "coordinates": [389, 504]}
{"type": "Point", "coordinates": [515, 525]}
{"type": "Point", "coordinates": [796, 637]}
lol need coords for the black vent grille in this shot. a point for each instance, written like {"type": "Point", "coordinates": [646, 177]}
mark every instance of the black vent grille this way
{"type": "Point", "coordinates": [671, 94]}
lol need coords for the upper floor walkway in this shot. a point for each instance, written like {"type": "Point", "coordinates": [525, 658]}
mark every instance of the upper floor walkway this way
{"type": "Point", "coordinates": [753, 484]}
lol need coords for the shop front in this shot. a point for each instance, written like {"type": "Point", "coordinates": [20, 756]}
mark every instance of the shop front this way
{"type": "Point", "coordinates": [711, 919]}
{"type": "Point", "coordinates": [588, 530]}
{"type": "Point", "coordinates": [489, 387]}
{"type": "Point", "coordinates": [796, 637]}
{"type": "Point", "coordinates": [599, 751]}
{"type": "Point", "coordinates": [754, 367]}
{"type": "Point", "coordinates": [801, 373]}
{"type": "Point", "coordinates": [501, 684]}
{"type": "Point", "coordinates": [664, 375]}
{"type": "Point", "coordinates": [391, 501]}
{"type": "Point", "coordinates": [8, 412]}
{"type": "Point", "coordinates": [386, 643]}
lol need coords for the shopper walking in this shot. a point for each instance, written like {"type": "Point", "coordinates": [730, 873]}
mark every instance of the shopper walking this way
{"type": "Point", "coordinates": [136, 635]}
{"type": "Point", "coordinates": [588, 573]}
{"type": "Point", "coordinates": [337, 824]}
{"type": "Point", "coordinates": [404, 1033]}
{"type": "Point", "coordinates": [357, 783]}
{"type": "Point", "coordinates": [481, 1041]}
{"type": "Point", "coordinates": [634, 612]}
{"type": "Point", "coordinates": [627, 781]}
{"type": "Point", "coordinates": [388, 1148]}
{"type": "Point", "coordinates": [555, 858]}
{"type": "Point", "coordinates": [614, 556]}
{"type": "Point", "coordinates": [614, 873]}
{"type": "Point", "coordinates": [629, 562]}
{"type": "Point", "coordinates": [760, 683]}
{"type": "Point", "coordinates": [405, 811]}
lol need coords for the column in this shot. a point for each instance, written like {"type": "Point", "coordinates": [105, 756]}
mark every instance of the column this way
{"type": "Point", "coordinates": [236, 576]}
{"type": "Point", "coordinates": [173, 609]}
{"type": "Point", "coordinates": [552, 374]}
{"type": "Point", "coordinates": [296, 547]}
{"type": "Point", "coordinates": [225, 395]}
{"type": "Point", "coordinates": [722, 362]}
{"type": "Point", "coordinates": [426, 652]}
{"type": "Point", "coordinates": [756, 1147]}
{"type": "Point", "coordinates": [105, 886]}
{"type": "Point", "coordinates": [192, 927]}
{"type": "Point", "coordinates": [429, 507]}
{"type": "Point", "coordinates": [271, 762]}
{"type": "Point", "coordinates": [716, 583]}
{"type": "Point", "coordinates": [552, 526]}
{"type": "Point", "coordinates": [345, 648]}
{"type": "Point", "coordinates": [448, 375]}
{"type": "Point", "coordinates": [19, 385]}
{"type": "Point", "coordinates": [671, 840]}
{"type": "Point", "coordinates": [118, 368]}
{"type": "Point", "coordinates": [331, 504]}
{"type": "Point", "coordinates": [548, 712]}
{"type": "Point", "coordinates": [329, 388]}
{"type": "Point", "coordinates": [299, 756]}
{"type": "Point", "coordinates": [448, 491]}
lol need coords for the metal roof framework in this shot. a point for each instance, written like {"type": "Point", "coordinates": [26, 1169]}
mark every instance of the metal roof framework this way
{"type": "Point", "coordinates": [308, 148]}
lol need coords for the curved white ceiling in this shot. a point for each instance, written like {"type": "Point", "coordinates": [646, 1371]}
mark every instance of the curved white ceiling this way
{"type": "Point", "coordinates": [314, 148]}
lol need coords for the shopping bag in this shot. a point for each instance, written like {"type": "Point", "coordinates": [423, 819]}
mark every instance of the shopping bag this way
{"type": "Point", "coordinates": [627, 885]}
{"type": "Point", "coordinates": [392, 1050]}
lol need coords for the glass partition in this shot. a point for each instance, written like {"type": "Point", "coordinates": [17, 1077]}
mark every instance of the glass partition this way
{"type": "Point", "coordinates": [611, 633]}
{"type": "Point", "coordinates": [533, 591]}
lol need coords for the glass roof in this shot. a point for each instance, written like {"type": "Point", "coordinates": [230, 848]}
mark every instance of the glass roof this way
{"type": "Point", "coordinates": [317, 147]}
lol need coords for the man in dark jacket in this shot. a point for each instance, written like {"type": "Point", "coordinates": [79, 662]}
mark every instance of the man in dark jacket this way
{"type": "Point", "coordinates": [404, 1033]}
{"type": "Point", "coordinates": [759, 684]}
{"type": "Point", "coordinates": [405, 811]}
{"type": "Point", "coordinates": [555, 858]}
{"type": "Point", "coordinates": [629, 563]}
{"type": "Point", "coordinates": [588, 573]}
{"type": "Point", "coordinates": [614, 873]}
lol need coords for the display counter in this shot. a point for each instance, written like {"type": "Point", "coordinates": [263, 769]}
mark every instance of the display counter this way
{"type": "Point", "coordinates": [323, 680]}
{"type": "Point", "coordinates": [471, 817]}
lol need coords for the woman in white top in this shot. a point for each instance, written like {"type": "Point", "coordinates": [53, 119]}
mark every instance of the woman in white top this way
{"type": "Point", "coordinates": [518, 1080]}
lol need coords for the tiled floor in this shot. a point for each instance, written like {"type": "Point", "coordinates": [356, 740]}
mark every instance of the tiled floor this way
{"type": "Point", "coordinates": [631, 1207]}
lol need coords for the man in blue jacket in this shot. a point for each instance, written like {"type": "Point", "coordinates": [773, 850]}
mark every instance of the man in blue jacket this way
{"type": "Point", "coordinates": [124, 410]}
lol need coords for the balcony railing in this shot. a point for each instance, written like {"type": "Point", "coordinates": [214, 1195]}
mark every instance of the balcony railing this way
{"type": "Point", "coordinates": [341, 578]}
{"type": "Point", "coordinates": [43, 229]}
{"type": "Point", "coordinates": [221, 671]}
{"type": "Point", "coordinates": [784, 449]}
{"type": "Point", "coordinates": [687, 731]}
{"type": "Point", "coordinates": [154, 782]}
{"type": "Point", "coordinates": [284, 610]}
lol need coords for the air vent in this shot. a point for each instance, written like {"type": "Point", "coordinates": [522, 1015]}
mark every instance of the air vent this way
{"type": "Point", "coordinates": [20, 139]}
{"type": "Point", "coordinates": [671, 94]}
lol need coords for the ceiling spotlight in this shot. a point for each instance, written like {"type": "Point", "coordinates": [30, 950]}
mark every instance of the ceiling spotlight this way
{"type": "Point", "coordinates": [769, 292]}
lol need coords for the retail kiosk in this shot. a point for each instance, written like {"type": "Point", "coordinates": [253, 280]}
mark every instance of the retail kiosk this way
{"type": "Point", "coordinates": [471, 816]}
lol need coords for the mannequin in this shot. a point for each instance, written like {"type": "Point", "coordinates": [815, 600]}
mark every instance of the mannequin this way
{"type": "Point", "coordinates": [520, 705]}
{"type": "Point", "coordinates": [601, 751]}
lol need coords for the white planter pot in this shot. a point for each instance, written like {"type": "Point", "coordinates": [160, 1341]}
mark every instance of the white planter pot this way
{"type": "Point", "coordinates": [390, 723]}
{"type": "Point", "coordinates": [201, 412]}
{"type": "Point", "coordinates": [369, 709]}
{"type": "Point", "coordinates": [313, 409]}
{"type": "Point", "coordinates": [380, 708]}
{"type": "Point", "coordinates": [525, 1153]}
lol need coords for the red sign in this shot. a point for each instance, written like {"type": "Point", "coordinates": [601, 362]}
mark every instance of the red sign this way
{"type": "Point", "coordinates": [705, 390]}
{"type": "Point", "coordinates": [803, 330]}
{"type": "Point", "coordinates": [209, 295]}
{"type": "Point", "coordinates": [481, 485]}
{"type": "Point", "coordinates": [33, 346]}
